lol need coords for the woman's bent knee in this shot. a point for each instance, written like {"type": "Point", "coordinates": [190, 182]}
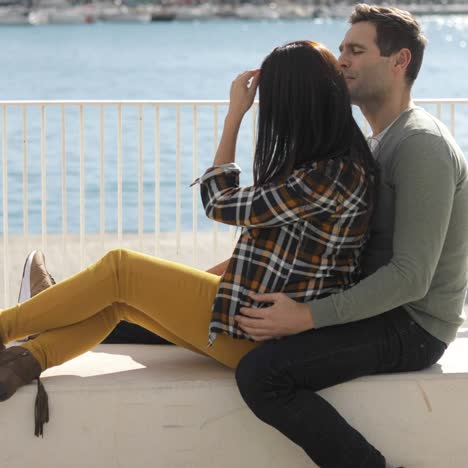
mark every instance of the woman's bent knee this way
{"type": "Point", "coordinates": [116, 255]}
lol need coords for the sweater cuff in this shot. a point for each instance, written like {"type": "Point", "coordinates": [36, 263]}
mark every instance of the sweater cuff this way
{"type": "Point", "coordinates": [217, 170]}
{"type": "Point", "coordinates": [323, 312]}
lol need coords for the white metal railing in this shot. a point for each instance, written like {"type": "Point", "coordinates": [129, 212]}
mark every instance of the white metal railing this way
{"type": "Point", "coordinates": [35, 132]}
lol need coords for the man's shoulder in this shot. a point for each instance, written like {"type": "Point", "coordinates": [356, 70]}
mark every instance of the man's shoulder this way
{"type": "Point", "coordinates": [419, 132]}
{"type": "Point", "coordinates": [417, 121]}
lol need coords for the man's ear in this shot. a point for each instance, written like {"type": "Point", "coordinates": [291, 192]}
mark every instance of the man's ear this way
{"type": "Point", "coordinates": [402, 59]}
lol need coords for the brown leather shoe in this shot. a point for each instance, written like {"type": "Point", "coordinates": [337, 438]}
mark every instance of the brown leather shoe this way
{"type": "Point", "coordinates": [19, 367]}
{"type": "Point", "coordinates": [36, 278]}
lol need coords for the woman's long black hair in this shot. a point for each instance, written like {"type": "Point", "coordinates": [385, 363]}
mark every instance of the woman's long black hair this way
{"type": "Point", "coordinates": [304, 113]}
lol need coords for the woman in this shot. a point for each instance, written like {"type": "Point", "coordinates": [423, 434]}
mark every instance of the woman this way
{"type": "Point", "coordinates": [304, 223]}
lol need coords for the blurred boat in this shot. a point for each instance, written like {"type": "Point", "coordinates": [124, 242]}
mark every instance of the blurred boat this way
{"type": "Point", "coordinates": [163, 16]}
{"type": "Point", "coordinates": [195, 12]}
{"type": "Point", "coordinates": [70, 17]}
{"type": "Point", "coordinates": [13, 16]}
{"type": "Point", "coordinates": [74, 15]}
{"type": "Point", "coordinates": [225, 11]}
{"type": "Point", "coordinates": [124, 14]}
{"type": "Point", "coordinates": [249, 11]}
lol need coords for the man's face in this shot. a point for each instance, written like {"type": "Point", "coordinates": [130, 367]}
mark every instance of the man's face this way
{"type": "Point", "coordinates": [367, 74]}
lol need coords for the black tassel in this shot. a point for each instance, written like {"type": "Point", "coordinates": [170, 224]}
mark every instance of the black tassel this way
{"type": "Point", "coordinates": [41, 409]}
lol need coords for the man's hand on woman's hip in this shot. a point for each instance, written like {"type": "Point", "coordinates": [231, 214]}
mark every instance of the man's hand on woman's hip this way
{"type": "Point", "coordinates": [283, 317]}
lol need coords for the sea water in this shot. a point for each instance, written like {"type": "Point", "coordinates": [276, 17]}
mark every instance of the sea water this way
{"type": "Point", "coordinates": [174, 61]}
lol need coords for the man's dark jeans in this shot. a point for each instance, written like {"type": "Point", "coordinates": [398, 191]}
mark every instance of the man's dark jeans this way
{"type": "Point", "coordinates": [278, 381]}
{"type": "Point", "coordinates": [126, 332]}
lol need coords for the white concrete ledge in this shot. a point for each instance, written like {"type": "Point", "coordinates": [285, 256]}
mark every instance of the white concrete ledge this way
{"type": "Point", "coordinates": [124, 406]}
{"type": "Point", "coordinates": [137, 406]}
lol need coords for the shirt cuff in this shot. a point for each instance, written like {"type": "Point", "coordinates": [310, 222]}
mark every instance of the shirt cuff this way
{"type": "Point", "coordinates": [216, 170]}
{"type": "Point", "coordinates": [323, 312]}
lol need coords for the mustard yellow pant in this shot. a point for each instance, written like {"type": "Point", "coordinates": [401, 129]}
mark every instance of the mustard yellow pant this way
{"type": "Point", "coordinates": [169, 299]}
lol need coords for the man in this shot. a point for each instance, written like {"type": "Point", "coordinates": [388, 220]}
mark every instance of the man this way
{"type": "Point", "coordinates": [402, 316]}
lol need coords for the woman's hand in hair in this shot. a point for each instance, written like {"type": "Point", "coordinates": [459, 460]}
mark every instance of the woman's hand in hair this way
{"type": "Point", "coordinates": [242, 93]}
{"type": "Point", "coordinates": [284, 317]}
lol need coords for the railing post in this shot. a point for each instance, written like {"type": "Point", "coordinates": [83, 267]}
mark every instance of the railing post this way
{"type": "Point", "coordinates": [82, 192]}
{"type": "Point", "coordinates": [102, 179]}
{"type": "Point", "coordinates": [195, 187]}
{"type": "Point", "coordinates": [157, 183]}
{"type": "Point", "coordinates": [178, 171]}
{"type": "Point", "coordinates": [119, 174]}
{"type": "Point", "coordinates": [43, 179]}
{"type": "Point", "coordinates": [64, 183]}
{"type": "Point", "coordinates": [140, 177]}
{"type": "Point", "coordinates": [215, 147]}
{"type": "Point", "coordinates": [6, 284]}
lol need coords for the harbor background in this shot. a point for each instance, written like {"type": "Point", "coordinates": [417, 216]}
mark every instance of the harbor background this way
{"type": "Point", "coordinates": [170, 60]}
{"type": "Point", "coordinates": [183, 60]}
{"type": "Point", "coordinates": [36, 12]}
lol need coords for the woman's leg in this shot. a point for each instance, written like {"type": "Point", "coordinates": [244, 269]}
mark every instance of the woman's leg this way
{"type": "Point", "coordinates": [49, 352]}
{"type": "Point", "coordinates": [175, 296]}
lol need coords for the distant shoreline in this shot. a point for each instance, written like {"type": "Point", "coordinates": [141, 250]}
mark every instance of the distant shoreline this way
{"type": "Point", "coordinates": [58, 13]}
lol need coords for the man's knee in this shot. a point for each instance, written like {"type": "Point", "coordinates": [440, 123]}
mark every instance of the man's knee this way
{"type": "Point", "coordinates": [245, 375]}
{"type": "Point", "coordinates": [256, 380]}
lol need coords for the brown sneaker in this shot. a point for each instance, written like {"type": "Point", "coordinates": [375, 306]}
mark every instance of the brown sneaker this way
{"type": "Point", "coordinates": [19, 367]}
{"type": "Point", "coordinates": [36, 278]}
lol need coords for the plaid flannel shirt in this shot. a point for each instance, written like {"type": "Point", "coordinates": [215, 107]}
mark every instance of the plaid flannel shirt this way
{"type": "Point", "coordinates": [303, 236]}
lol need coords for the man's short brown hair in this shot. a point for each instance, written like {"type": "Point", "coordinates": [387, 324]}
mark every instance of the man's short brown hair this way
{"type": "Point", "coordinates": [396, 29]}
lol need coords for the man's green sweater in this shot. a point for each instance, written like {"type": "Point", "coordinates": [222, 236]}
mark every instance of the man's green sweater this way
{"type": "Point", "coordinates": [417, 255]}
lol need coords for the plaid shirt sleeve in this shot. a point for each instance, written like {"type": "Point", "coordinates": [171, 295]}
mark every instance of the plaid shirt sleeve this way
{"type": "Point", "coordinates": [308, 192]}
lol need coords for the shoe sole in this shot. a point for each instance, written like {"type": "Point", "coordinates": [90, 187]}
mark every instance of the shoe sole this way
{"type": "Point", "coordinates": [25, 289]}
{"type": "Point", "coordinates": [3, 393]}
